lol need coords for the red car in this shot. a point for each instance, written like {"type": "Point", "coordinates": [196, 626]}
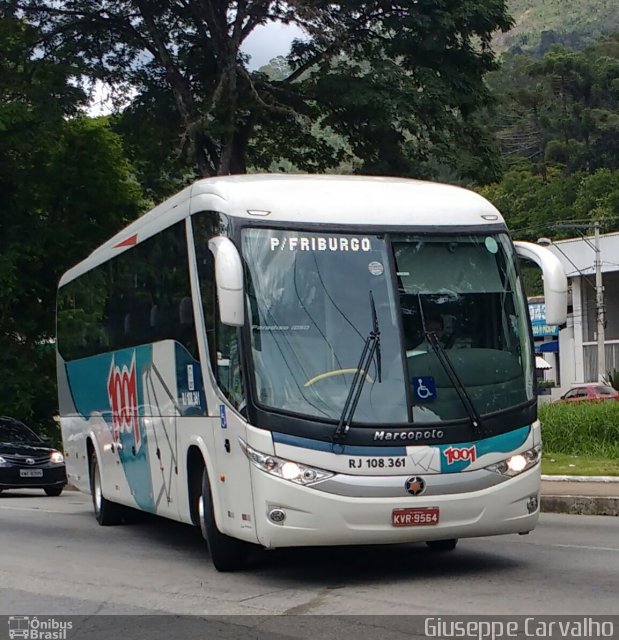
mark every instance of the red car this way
{"type": "Point", "coordinates": [593, 391]}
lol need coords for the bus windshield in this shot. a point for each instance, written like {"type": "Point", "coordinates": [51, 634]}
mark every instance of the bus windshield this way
{"type": "Point", "coordinates": [310, 314]}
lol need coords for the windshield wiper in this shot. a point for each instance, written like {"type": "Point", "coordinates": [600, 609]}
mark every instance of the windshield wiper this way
{"type": "Point", "coordinates": [371, 347]}
{"type": "Point", "coordinates": [451, 372]}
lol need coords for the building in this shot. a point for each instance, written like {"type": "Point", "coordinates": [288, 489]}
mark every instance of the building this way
{"type": "Point", "coordinates": [576, 344]}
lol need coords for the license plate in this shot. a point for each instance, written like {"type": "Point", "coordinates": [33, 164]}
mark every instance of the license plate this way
{"type": "Point", "coordinates": [31, 473]}
{"type": "Point", "coordinates": [425, 517]}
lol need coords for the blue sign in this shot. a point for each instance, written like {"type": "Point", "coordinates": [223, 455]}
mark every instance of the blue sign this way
{"type": "Point", "coordinates": [424, 388]}
{"type": "Point", "coordinates": [222, 416]}
{"type": "Point", "coordinates": [537, 311]}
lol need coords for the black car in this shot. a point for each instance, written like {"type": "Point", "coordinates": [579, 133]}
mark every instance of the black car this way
{"type": "Point", "coordinates": [26, 462]}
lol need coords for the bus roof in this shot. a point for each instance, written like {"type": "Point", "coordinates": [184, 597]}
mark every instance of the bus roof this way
{"type": "Point", "coordinates": [314, 199]}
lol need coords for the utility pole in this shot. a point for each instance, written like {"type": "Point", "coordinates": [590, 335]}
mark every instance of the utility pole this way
{"type": "Point", "coordinates": [599, 304]}
{"type": "Point", "coordinates": [599, 292]}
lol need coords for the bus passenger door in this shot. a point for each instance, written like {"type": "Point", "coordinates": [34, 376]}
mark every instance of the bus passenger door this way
{"type": "Point", "coordinates": [233, 477]}
{"type": "Point", "coordinates": [161, 419]}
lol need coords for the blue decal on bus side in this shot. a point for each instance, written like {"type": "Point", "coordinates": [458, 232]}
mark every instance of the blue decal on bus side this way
{"type": "Point", "coordinates": [453, 457]}
{"type": "Point", "coordinates": [110, 385]}
{"type": "Point", "coordinates": [319, 445]}
{"type": "Point", "coordinates": [190, 388]}
{"type": "Point", "coordinates": [457, 457]}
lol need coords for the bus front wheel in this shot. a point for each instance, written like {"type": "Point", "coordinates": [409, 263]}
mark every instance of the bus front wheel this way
{"type": "Point", "coordinates": [442, 545]}
{"type": "Point", "coordinates": [227, 554]}
{"type": "Point", "coordinates": [107, 513]}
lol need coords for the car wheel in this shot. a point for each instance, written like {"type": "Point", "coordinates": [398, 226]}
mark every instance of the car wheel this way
{"type": "Point", "coordinates": [442, 545]}
{"type": "Point", "coordinates": [53, 491]}
{"type": "Point", "coordinates": [107, 513]}
{"type": "Point", "coordinates": [227, 554]}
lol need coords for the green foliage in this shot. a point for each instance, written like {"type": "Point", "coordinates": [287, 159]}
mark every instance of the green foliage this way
{"type": "Point", "coordinates": [532, 281]}
{"type": "Point", "coordinates": [581, 428]}
{"type": "Point", "coordinates": [562, 110]}
{"type": "Point", "coordinates": [149, 129]}
{"type": "Point", "coordinates": [540, 24]}
{"type": "Point", "coordinates": [398, 82]}
{"type": "Point", "coordinates": [532, 205]}
{"type": "Point", "coordinates": [65, 186]}
{"type": "Point", "coordinates": [558, 126]}
{"type": "Point", "coordinates": [613, 379]}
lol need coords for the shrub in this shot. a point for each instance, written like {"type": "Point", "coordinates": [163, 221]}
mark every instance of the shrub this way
{"type": "Point", "coordinates": [581, 428]}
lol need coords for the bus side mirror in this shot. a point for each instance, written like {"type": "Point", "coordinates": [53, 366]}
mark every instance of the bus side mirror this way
{"type": "Point", "coordinates": [555, 281]}
{"type": "Point", "coordinates": [229, 280]}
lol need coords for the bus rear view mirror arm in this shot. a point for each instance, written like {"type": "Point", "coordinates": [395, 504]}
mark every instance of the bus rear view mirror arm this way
{"type": "Point", "coordinates": [229, 280]}
{"type": "Point", "coordinates": [555, 281]}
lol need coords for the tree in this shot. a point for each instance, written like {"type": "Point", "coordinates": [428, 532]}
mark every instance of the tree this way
{"type": "Point", "coordinates": [533, 204]}
{"type": "Point", "coordinates": [399, 80]}
{"type": "Point", "coordinates": [562, 110]}
{"type": "Point", "coordinates": [65, 186]}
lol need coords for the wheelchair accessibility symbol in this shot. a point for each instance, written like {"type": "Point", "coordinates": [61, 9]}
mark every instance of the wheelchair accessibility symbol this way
{"type": "Point", "coordinates": [424, 388]}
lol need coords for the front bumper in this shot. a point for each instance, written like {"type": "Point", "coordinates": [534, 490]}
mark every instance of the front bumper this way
{"type": "Point", "coordinates": [53, 475]}
{"type": "Point", "coordinates": [317, 518]}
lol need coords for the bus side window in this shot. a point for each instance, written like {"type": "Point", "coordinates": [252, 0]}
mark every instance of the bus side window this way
{"type": "Point", "coordinates": [186, 331]}
{"type": "Point", "coordinates": [229, 378]}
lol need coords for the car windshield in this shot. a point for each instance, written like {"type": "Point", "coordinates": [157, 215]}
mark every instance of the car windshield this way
{"type": "Point", "coordinates": [605, 391]}
{"type": "Point", "coordinates": [12, 431]}
{"type": "Point", "coordinates": [310, 313]}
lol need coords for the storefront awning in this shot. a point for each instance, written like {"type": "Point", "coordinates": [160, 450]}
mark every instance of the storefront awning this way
{"type": "Point", "coordinates": [540, 363]}
{"type": "Point", "coordinates": [547, 347]}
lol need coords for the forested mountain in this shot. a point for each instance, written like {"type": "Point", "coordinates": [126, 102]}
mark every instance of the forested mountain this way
{"type": "Point", "coordinates": [556, 120]}
{"type": "Point", "coordinates": [539, 24]}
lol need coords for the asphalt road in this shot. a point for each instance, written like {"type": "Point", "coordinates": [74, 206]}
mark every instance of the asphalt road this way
{"type": "Point", "coordinates": [55, 559]}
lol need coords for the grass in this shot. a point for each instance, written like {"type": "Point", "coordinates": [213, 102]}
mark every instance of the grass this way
{"type": "Point", "coordinates": [585, 429]}
{"type": "Point", "coordinates": [580, 439]}
{"type": "Point", "coordinates": [561, 464]}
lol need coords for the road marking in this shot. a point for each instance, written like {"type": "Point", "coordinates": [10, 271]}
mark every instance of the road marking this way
{"type": "Point", "coordinates": [38, 509]}
{"type": "Point", "coordinates": [584, 546]}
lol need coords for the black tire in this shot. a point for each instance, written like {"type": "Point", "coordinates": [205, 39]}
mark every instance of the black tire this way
{"type": "Point", "coordinates": [107, 513]}
{"type": "Point", "coordinates": [442, 545]}
{"type": "Point", "coordinates": [227, 554]}
{"type": "Point", "coordinates": [53, 491]}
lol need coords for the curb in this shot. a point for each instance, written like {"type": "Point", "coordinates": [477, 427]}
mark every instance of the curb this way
{"type": "Point", "coordinates": [581, 505]}
{"type": "Point", "coordinates": [580, 495]}
{"type": "Point", "coordinates": [580, 478]}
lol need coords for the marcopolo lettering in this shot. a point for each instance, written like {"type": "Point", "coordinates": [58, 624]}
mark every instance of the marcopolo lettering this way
{"type": "Point", "coordinates": [320, 243]}
{"type": "Point", "coordinates": [421, 434]}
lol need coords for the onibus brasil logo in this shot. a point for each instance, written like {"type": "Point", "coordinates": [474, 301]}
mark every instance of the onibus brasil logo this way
{"type": "Point", "coordinates": [33, 628]}
{"type": "Point", "coordinates": [123, 395]}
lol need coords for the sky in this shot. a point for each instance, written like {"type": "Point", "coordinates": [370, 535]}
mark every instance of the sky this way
{"type": "Point", "coordinates": [268, 41]}
{"type": "Point", "coordinates": [263, 44]}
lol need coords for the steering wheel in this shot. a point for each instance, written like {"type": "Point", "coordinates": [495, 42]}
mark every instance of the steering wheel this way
{"type": "Point", "coordinates": [336, 372]}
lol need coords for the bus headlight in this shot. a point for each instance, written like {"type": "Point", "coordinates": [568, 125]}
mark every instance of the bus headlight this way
{"type": "Point", "coordinates": [286, 469]}
{"type": "Point", "coordinates": [517, 463]}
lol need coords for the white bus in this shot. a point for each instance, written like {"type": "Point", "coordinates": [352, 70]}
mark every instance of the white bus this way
{"type": "Point", "coordinates": [307, 360]}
